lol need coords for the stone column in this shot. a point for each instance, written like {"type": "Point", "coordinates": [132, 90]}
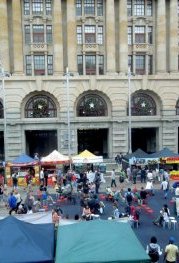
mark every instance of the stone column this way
{"type": "Point", "coordinates": [71, 37]}
{"type": "Point", "coordinates": [123, 47]}
{"type": "Point", "coordinates": [173, 36]}
{"type": "Point", "coordinates": [4, 42]}
{"type": "Point", "coordinates": [17, 37]}
{"type": "Point", "coordinates": [110, 37]}
{"type": "Point", "coordinates": [57, 38]}
{"type": "Point", "coordinates": [161, 37]}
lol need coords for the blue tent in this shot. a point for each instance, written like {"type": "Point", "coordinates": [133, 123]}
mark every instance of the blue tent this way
{"type": "Point", "coordinates": [23, 160]}
{"type": "Point", "coordinates": [22, 242]}
{"type": "Point", "coordinates": [164, 153]}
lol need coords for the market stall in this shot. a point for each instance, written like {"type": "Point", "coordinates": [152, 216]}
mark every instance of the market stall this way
{"type": "Point", "coordinates": [23, 165]}
{"type": "Point", "coordinates": [52, 162]}
{"type": "Point", "coordinates": [89, 161]}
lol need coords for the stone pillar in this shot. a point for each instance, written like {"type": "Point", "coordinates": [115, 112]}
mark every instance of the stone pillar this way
{"type": "Point", "coordinates": [17, 37]}
{"type": "Point", "coordinates": [71, 37]}
{"type": "Point", "coordinates": [123, 47]}
{"type": "Point", "coordinates": [173, 37]}
{"type": "Point", "coordinates": [110, 37]}
{"type": "Point", "coordinates": [161, 37]}
{"type": "Point", "coordinates": [57, 38]}
{"type": "Point", "coordinates": [4, 42]}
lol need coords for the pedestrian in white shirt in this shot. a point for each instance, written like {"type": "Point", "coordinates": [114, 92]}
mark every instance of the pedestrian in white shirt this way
{"type": "Point", "coordinates": [165, 188]}
{"type": "Point", "coordinates": [113, 178]}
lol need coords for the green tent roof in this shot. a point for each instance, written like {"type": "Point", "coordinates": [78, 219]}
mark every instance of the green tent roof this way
{"type": "Point", "coordinates": [99, 241]}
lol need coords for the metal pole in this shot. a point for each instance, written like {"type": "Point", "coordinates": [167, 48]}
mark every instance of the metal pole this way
{"type": "Point", "coordinates": [129, 94]}
{"type": "Point", "coordinates": [68, 115]}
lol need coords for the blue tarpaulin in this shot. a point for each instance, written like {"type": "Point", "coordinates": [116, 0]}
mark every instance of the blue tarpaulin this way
{"type": "Point", "coordinates": [23, 160]}
{"type": "Point", "coordinates": [23, 242]}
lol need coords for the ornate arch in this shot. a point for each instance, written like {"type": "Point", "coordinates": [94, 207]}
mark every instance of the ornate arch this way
{"type": "Point", "coordinates": [143, 104]}
{"type": "Point", "coordinates": [40, 106]}
{"type": "Point", "coordinates": [91, 105]}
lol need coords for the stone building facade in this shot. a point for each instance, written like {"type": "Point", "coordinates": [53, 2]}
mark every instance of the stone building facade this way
{"type": "Point", "coordinates": [98, 41]}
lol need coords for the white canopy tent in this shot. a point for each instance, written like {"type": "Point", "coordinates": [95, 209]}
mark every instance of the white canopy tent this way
{"type": "Point", "coordinates": [55, 158]}
{"type": "Point", "coordinates": [86, 157]}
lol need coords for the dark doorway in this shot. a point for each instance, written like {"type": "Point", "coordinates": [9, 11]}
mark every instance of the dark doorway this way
{"type": "Point", "coordinates": [41, 142]}
{"type": "Point", "coordinates": [145, 139]}
{"type": "Point", "coordinates": [95, 141]}
{"type": "Point", "coordinates": [2, 154]}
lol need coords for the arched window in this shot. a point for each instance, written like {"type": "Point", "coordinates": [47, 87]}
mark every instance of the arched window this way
{"type": "Point", "coordinates": [1, 111]}
{"type": "Point", "coordinates": [91, 105]}
{"type": "Point", "coordinates": [142, 105]}
{"type": "Point", "coordinates": [177, 108]}
{"type": "Point", "coordinates": [40, 106]}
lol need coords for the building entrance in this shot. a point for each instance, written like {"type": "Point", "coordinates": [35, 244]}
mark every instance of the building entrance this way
{"type": "Point", "coordinates": [95, 141]}
{"type": "Point", "coordinates": [145, 139]}
{"type": "Point", "coordinates": [41, 142]}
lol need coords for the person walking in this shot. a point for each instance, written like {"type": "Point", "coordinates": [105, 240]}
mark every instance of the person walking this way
{"type": "Point", "coordinates": [113, 178]}
{"type": "Point", "coordinates": [153, 250]}
{"type": "Point", "coordinates": [12, 203]}
{"type": "Point", "coordinates": [171, 251]}
{"type": "Point", "coordinates": [41, 176]}
{"type": "Point", "coordinates": [165, 187]}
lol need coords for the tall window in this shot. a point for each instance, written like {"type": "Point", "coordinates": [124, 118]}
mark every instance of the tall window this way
{"type": "Point", "coordinates": [91, 105]}
{"type": "Point", "coordinates": [139, 34]}
{"type": "Point", "coordinates": [130, 62]}
{"type": "Point", "coordinates": [50, 65]}
{"type": "Point", "coordinates": [48, 7]}
{"type": "Point", "coordinates": [37, 7]}
{"type": "Point", "coordinates": [28, 65]}
{"type": "Point", "coordinates": [150, 64]}
{"type": "Point", "coordinates": [27, 34]}
{"type": "Point", "coordinates": [1, 110]}
{"type": "Point", "coordinates": [149, 8]}
{"type": "Point", "coordinates": [90, 34]}
{"type": "Point", "coordinates": [129, 35]}
{"type": "Point", "coordinates": [139, 7]}
{"type": "Point", "coordinates": [140, 64]}
{"type": "Point", "coordinates": [177, 108]}
{"type": "Point", "coordinates": [38, 33]}
{"type": "Point", "coordinates": [80, 64]}
{"type": "Point", "coordinates": [79, 34]}
{"type": "Point", "coordinates": [143, 105]}
{"type": "Point", "coordinates": [129, 7]}
{"type": "Point", "coordinates": [101, 65]}
{"type": "Point", "coordinates": [89, 7]}
{"type": "Point", "coordinates": [150, 34]}
{"type": "Point", "coordinates": [39, 65]}
{"type": "Point", "coordinates": [78, 7]}
{"type": "Point", "coordinates": [49, 34]}
{"type": "Point", "coordinates": [100, 35]}
{"type": "Point", "coordinates": [40, 106]}
{"type": "Point", "coordinates": [26, 7]}
{"type": "Point", "coordinates": [100, 7]}
{"type": "Point", "coordinates": [90, 64]}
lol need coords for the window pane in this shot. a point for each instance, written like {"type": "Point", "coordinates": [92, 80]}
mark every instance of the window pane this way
{"type": "Point", "coordinates": [150, 64]}
{"type": "Point", "coordinates": [139, 7]}
{"type": "Point", "coordinates": [39, 65]}
{"type": "Point", "coordinates": [150, 34]}
{"type": "Point", "coordinates": [37, 7]}
{"type": "Point", "coordinates": [49, 34]}
{"type": "Point", "coordinates": [26, 7]}
{"type": "Point", "coordinates": [90, 65]}
{"type": "Point", "coordinates": [90, 34]}
{"type": "Point", "coordinates": [101, 65]}
{"type": "Point", "coordinates": [100, 35]}
{"type": "Point", "coordinates": [28, 65]}
{"type": "Point", "coordinates": [80, 64]}
{"type": "Point", "coordinates": [130, 63]}
{"type": "Point", "coordinates": [139, 34]}
{"type": "Point", "coordinates": [27, 34]}
{"type": "Point", "coordinates": [143, 105]}
{"type": "Point", "coordinates": [48, 7]}
{"type": "Point", "coordinates": [100, 7]}
{"type": "Point", "coordinates": [129, 35]}
{"type": "Point", "coordinates": [38, 33]}
{"type": "Point", "coordinates": [149, 7]}
{"type": "Point", "coordinates": [89, 7]}
{"type": "Point", "coordinates": [129, 7]}
{"type": "Point", "coordinates": [50, 65]}
{"type": "Point", "coordinates": [79, 34]}
{"type": "Point", "coordinates": [78, 8]}
{"type": "Point", "coordinates": [140, 64]}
